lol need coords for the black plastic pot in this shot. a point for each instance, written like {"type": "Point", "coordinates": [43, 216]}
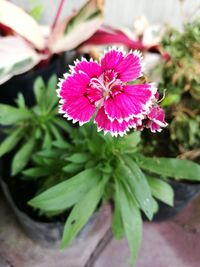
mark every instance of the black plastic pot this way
{"type": "Point", "coordinates": [47, 234]}
{"type": "Point", "coordinates": [24, 82]}
{"type": "Point", "coordinates": [45, 231]}
{"type": "Point", "coordinates": [184, 192]}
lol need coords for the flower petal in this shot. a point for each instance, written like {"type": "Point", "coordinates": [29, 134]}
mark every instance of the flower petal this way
{"type": "Point", "coordinates": [78, 109]}
{"type": "Point", "coordinates": [134, 123]}
{"type": "Point", "coordinates": [113, 127]}
{"type": "Point", "coordinates": [156, 118]}
{"type": "Point", "coordinates": [74, 101]}
{"type": "Point", "coordinates": [75, 84]}
{"type": "Point", "coordinates": [130, 68]}
{"type": "Point", "coordinates": [91, 68]}
{"type": "Point", "coordinates": [111, 59]}
{"type": "Point", "coordinates": [94, 95]}
{"type": "Point", "coordinates": [134, 101]}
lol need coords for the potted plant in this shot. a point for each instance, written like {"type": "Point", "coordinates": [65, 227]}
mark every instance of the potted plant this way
{"type": "Point", "coordinates": [179, 76]}
{"type": "Point", "coordinates": [28, 50]}
{"type": "Point", "coordinates": [97, 167]}
{"type": "Point", "coordinates": [102, 167]}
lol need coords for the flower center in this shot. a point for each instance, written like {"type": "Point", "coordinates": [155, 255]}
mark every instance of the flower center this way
{"type": "Point", "coordinates": [105, 83]}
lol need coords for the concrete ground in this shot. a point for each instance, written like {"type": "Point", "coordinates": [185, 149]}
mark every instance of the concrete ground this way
{"type": "Point", "coordinates": [174, 243]}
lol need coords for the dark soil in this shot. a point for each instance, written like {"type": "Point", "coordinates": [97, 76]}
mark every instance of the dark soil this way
{"type": "Point", "coordinates": [23, 191]}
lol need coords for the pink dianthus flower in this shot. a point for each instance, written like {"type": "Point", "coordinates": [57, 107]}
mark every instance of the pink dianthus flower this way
{"type": "Point", "coordinates": [105, 90]}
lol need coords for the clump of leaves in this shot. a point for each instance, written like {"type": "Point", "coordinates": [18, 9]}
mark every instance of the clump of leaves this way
{"type": "Point", "coordinates": [180, 75]}
{"type": "Point", "coordinates": [100, 168]}
{"type": "Point", "coordinates": [29, 130]}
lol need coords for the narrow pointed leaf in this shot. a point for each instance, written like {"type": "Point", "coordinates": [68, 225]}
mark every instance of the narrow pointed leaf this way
{"type": "Point", "coordinates": [52, 98]}
{"type": "Point", "coordinates": [170, 167]}
{"type": "Point", "coordinates": [132, 221]}
{"type": "Point", "coordinates": [10, 115]}
{"type": "Point", "coordinates": [39, 92]}
{"type": "Point", "coordinates": [64, 125]}
{"type": "Point", "coordinates": [82, 212]}
{"type": "Point", "coordinates": [22, 156]}
{"type": "Point", "coordinates": [11, 141]}
{"type": "Point", "coordinates": [138, 184]}
{"type": "Point", "coordinates": [20, 101]}
{"type": "Point", "coordinates": [37, 172]}
{"type": "Point", "coordinates": [161, 190]}
{"type": "Point", "coordinates": [63, 144]}
{"type": "Point", "coordinates": [47, 142]}
{"type": "Point", "coordinates": [79, 158]}
{"type": "Point", "coordinates": [117, 223]}
{"type": "Point", "coordinates": [67, 193]}
{"type": "Point", "coordinates": [72, 168]}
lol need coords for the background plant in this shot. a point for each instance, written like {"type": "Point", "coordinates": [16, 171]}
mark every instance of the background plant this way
{"type": "Point", "coordinates": [26, 43]}
{"type": "Point", "coordinates": [180, 76]}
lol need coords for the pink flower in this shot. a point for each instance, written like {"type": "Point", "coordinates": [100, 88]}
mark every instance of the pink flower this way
{"type": "Point", "coordinates": [104, 90]}
{"type": "Point", "coordinates": [156, 119]}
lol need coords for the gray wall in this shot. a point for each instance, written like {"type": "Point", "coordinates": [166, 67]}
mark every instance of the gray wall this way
{"type": "Point", "coordinates": [124, 12]}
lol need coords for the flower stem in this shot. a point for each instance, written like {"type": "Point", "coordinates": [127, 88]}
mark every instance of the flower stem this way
{"type": "Point", "coordinates": [57, 14]}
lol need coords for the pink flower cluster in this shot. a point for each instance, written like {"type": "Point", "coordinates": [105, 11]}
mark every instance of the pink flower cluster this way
{"type": "Point", "coordinates": [110, 91]}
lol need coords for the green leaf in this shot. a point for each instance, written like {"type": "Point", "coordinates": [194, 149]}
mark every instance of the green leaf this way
{"type": "Point", "coordinates": [129, 141]}
{"type": "Point", "coordinates": [47, 142]}
{"type": "Point", "coordinates": [56, 132]}
{"type": "Point", "coordinates": [170, 167]}
{"type": "Point", "coordinates": [50, 153]}
{"type": "Point", "coordinates": [22, 156]}
{"type": "Point", "coordinates": [170, 99]}
{"type": "Point", "coordinates": [117, 224]}
{"type": "Point", "coordinates": [62, 144]}
{"type": "Point", "coordinates": [11, 115]}
{"type": "Point", "coordinates": [138, 185]}
{"type": "Point", "coordinates": [37, 172]}
{"type": "Point", "coordinates": [131, 218]}
{"type": "Point", "coordinates": [39, 92]}
{"type": "Point", "coordinates": [64, 125]}
{"type": "Point", "coordinates": [52, 98]}
{"type": "Point", "coordinates": [161, 190]}
{"type": "Point", "coordinates": [79, 158]}
{"type": "Point", "coordinates": [11, 141]}
{"type": "Point", "coordinates": [67, 193]}
{"type": "Point", "coordinates": [155, 206]}
{"type": "Point", "coordinates": [72, 167]}
{"type": "Point", "coordinates": [82, 211]}
{"type": "Point", "coordinates": [20, 101]}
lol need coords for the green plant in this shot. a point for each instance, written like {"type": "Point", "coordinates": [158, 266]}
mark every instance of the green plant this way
{"type": "Point", "coordinates": [78, 168]}
{"type": "Point", "coordinates": [29, 130]}
{"type": "Point", "coordinates": [101, 168]}
{"type": "Point", "coordinates": [180, 75]}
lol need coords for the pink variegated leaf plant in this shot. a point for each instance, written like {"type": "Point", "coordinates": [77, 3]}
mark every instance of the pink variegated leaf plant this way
{"type": "Point", "coordinates": [111, 91]}
{"type": "Point", "coordinates": [39, 42]}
